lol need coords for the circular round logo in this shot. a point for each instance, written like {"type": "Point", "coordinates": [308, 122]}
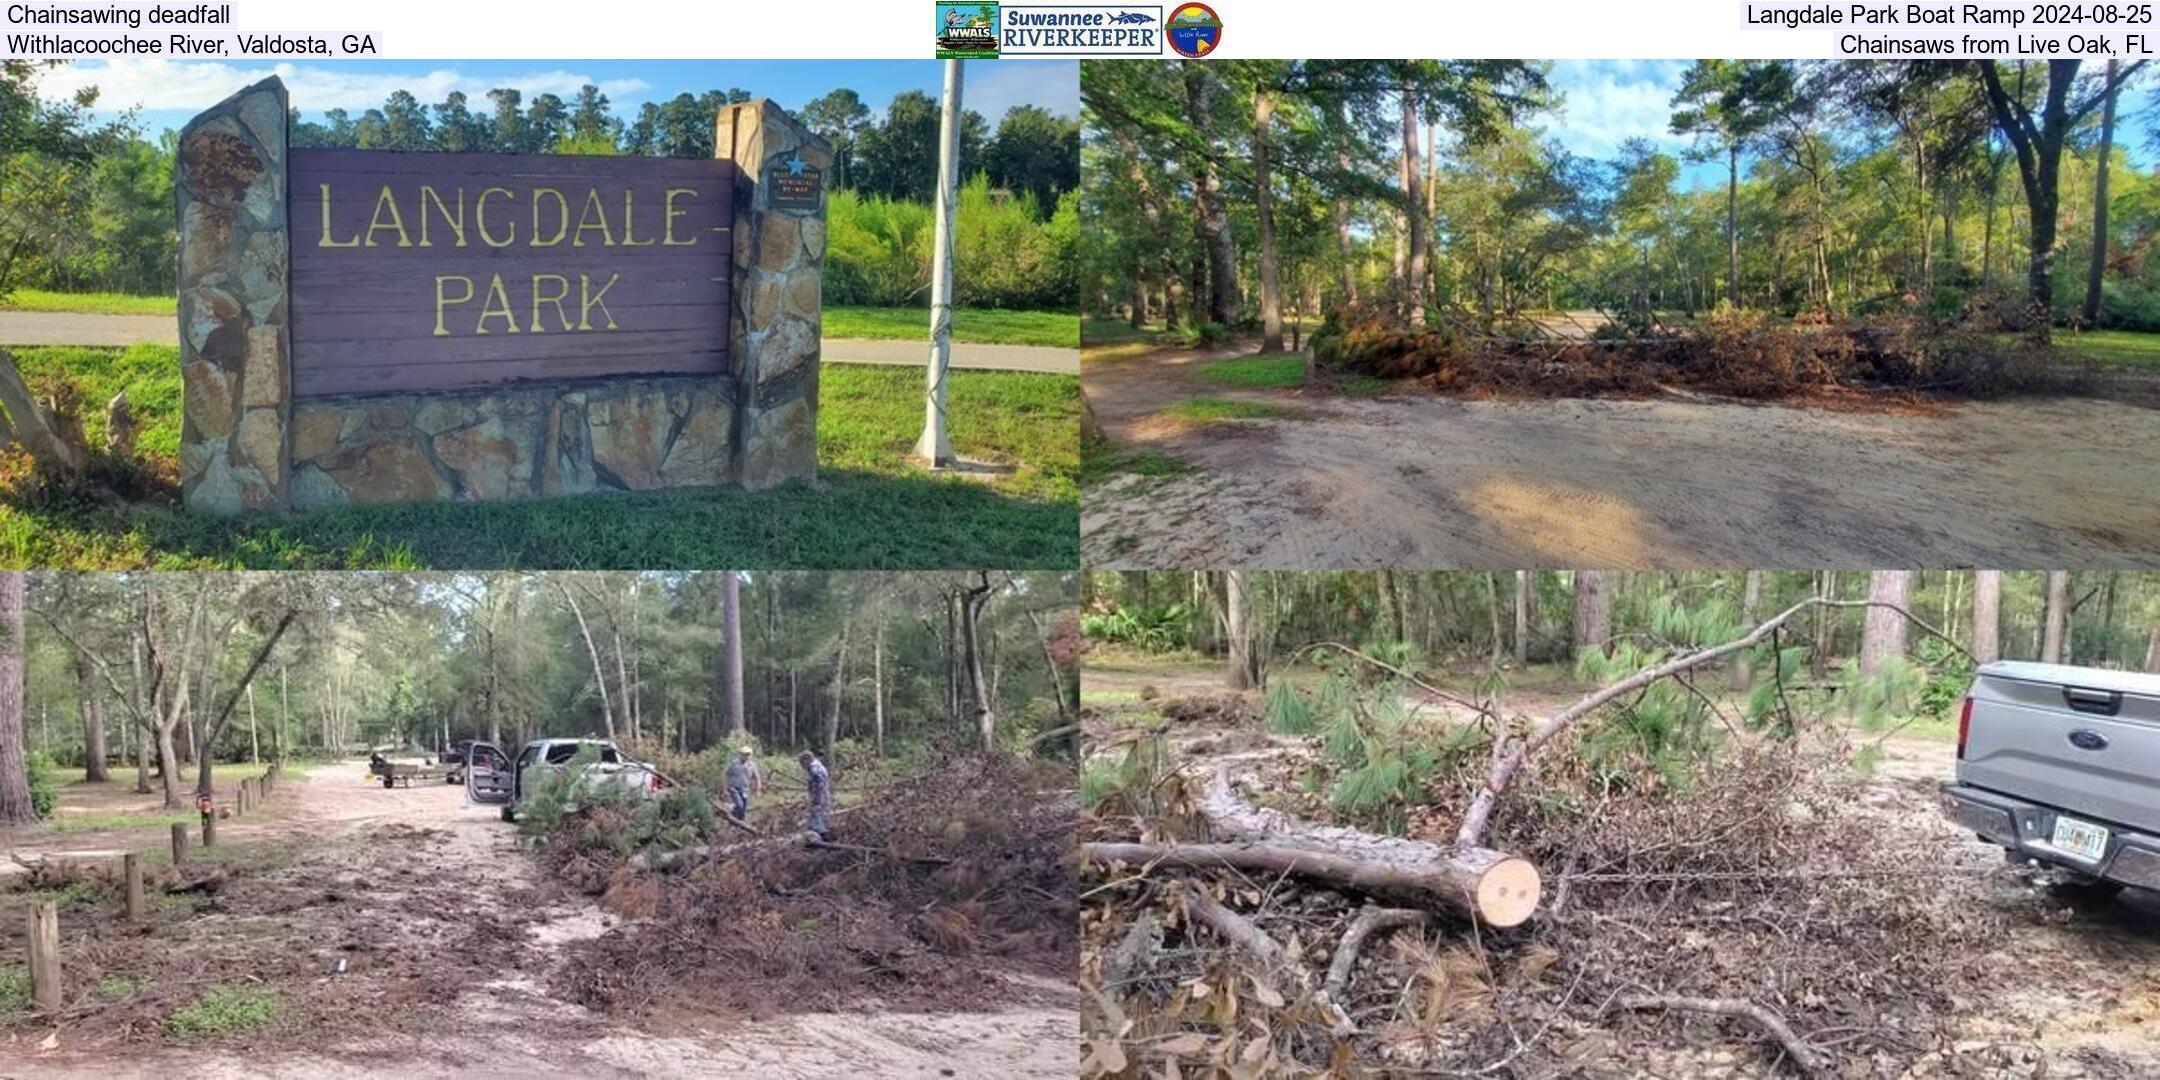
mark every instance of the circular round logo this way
{"type": "Point", "coordinates": [1195, 30]}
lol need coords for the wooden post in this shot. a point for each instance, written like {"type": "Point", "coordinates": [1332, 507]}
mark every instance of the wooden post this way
{"type": "Point", "coordinates": [131, 869]}
{"type": "Point", "coordinates": [45, 957]}
{"type": "Point", "coordinates": [209, 832]}
{"type": "Point", "coordinates": [179, 842]}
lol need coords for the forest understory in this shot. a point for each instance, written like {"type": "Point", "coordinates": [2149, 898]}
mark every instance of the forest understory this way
{"type": "Point", "coordinates": [1782, 913]}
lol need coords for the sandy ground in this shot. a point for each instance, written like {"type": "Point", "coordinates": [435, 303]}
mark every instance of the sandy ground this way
{"type": "Point", "coordinates": [1413, 480]}
{"type": "Point", "coordinates": [2080, 988]}
{"type": "Point", "coordinates": [514, 1025]}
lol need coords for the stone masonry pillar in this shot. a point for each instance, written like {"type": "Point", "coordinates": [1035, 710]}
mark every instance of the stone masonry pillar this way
{"type": "Point", "coordinates": [229, 184]}
{"type": "Point", "coordinates": [779, 271]}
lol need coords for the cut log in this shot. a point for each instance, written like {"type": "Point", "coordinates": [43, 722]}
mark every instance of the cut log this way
{"type": "Point", "coordinates": [1495, 887]}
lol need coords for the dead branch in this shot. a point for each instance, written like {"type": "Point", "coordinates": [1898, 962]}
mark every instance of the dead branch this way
{"type": "Point", "coordinates": [1803, 1055]}
{"type": "Point", "coordinates": [1370, 921]}
{"type": "Point", "coordinates": [1234, 928]}
{"type": "Point", "coordinates": [1510, 755]}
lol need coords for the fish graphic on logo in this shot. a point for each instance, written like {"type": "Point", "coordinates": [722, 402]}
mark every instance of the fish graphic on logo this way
{"type": "Point", "coordinates": [1131, 18]}
{"type": "Point", "coordinates": [1195, 30]}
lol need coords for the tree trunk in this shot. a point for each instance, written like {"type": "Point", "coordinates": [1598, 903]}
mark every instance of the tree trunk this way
{"type": "Point", "coordinates": [1522, 618]}
{"type": "Point", "coordinates": [1987, 616]}
{"type": "Point", "coordinates": [1214, 219]}
{"type": "Point", "coordinates": [1882, 634]}
{"type": "Point", "coordinates": [93, 718]}
{"type": "Point", "coordinates": [1593, 611]}
{"type": "Point", "coordinates": [607, 708]}
{"type": "Point", "coordinates": [2100, 201]}
{"type": "Point", "coordinates": [1494, 888]}
{"type": "Point", "coordinates": [877, 687]}
{"type": "Point", "coordinates": [1271, 335]}
{"type": "Point", "coordinates": [1414, 273]}
{"type": "Point", "coordinates": [2152, 652]}
{"type": "Point", "coordinates": [1242, 673]}
{"type": "Point", "coordinates": [1750, 602]}
{"type": "Point", "coordinates": [978, 691]}
{"type": "Point", "coordinates": [15, 805]}
{"type": "Point", "coordinates": [731, 603]}
{"type": "Point", "coordinates": [1732, 223]}
{"type": "Point", "coordinates": [2054, 643]}
{"type": "Point", "coordinates": [839, 686]}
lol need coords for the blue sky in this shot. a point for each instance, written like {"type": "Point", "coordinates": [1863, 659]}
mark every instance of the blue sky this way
{"type": "Point", "coordinates": [1611, 101]}
{"type": "Point", "coordinates": [169, 92]}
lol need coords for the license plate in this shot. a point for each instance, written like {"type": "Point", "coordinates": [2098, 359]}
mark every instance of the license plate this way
{"type": "Point", "coordinates": [2082, 839]}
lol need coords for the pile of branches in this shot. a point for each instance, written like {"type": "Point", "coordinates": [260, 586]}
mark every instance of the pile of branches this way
{"type": "Point", "coordinates": [1758, 907]}
{"type": "Point", "coordinates": [1747, 356]}
{"type": "Point", "coordinates": [925, 890]}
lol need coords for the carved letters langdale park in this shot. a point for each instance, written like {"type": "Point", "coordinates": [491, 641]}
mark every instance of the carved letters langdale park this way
{"type": "Point", "coordinates": [369, 326]}
{"type": "Point", "coordinates": [497, 268]}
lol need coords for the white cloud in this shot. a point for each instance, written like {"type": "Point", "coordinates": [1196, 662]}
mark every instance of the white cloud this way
{"type": "Point", "coordinates": [192, 86]}
{"type": "Point", "coordinates": [992, 88]}
{"type": "Point", "coordinates": [1609, 102]}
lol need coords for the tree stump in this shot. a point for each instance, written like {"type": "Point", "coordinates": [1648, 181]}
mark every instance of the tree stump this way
{"type": "Point", "coordinates": [131, 870]}
{"type": "Point", "coordinates": [45, 957]}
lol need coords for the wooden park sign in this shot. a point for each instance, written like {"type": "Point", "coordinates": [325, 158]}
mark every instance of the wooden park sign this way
{"type": "Point", "coordinates": [451, 271]}
{"type": "Point", "coordinates": [367, 326]}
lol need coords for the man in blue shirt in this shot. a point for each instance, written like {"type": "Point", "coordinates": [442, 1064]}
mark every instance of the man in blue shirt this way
{"type": "Point", "coordinates": [820, 795]}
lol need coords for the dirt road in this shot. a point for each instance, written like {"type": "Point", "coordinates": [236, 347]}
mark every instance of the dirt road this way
{"type": "Point", "coordinates": [1417, 481]}
{"type": "Point", "coordinates": [413, 936]}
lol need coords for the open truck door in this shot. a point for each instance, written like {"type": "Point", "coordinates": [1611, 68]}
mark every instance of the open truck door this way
{"type": "Point", "coordinates": [489, 777]}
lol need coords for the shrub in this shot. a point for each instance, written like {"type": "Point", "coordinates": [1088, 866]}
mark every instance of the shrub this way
{"type": "Point", "coordinates": [44, 782]}
{"type": "Point", "coordinates": [1154, 630]}
{"type": "Point", "coordinates": [1006, 253]}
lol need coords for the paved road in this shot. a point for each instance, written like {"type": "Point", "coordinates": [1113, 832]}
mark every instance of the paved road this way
{"type": "Point", "coordinates": [64, 328]}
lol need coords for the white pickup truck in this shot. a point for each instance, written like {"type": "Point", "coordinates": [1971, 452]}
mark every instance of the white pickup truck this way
{"type": "Point", "coordinates": [2061, 767]}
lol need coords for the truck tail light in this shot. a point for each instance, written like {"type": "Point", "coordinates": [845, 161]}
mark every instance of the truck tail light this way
{"type": "Point", "coordinates": [1964, 726]}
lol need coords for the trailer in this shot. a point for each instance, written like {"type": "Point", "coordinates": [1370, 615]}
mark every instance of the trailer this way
{"type": "Point", "coordinates": [393, 773]}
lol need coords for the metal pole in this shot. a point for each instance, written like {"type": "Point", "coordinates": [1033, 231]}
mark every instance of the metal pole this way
{"type": "Point", "coordinates": [935, 447]}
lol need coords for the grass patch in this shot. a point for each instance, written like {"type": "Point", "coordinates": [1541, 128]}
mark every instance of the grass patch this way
{"type": "Point", "coordinates": [1362, 386]}
{"type": "Point", "coordinates": [2126, 348]}
{"type": "Point", "coordinates": [1209, 409]}
{"type": "Point", "coordinates": [100, 303]}
{"type": "Point", "coordinates": [14, 988]}
{"type": "Point", "coordinates": [871, 508]}
{"type": "Point", "coordinates": [1257, 372]}
{"type": "Point", "coordinates": [984, 326]}
{"type": "Point", "coordinates": [149, 373]}
{"type": "Point", "coordinates": [116, 986]}
{"type": "Point", "coordinates": [1103, 465]}
{"type": "Point", "coordinates": [227, 1010]}
{"type": "Point", "coordinates": [117, 821]}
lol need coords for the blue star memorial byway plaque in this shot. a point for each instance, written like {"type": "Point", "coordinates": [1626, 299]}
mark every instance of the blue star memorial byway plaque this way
{"type": "Point", "coordinates": [796, 184]}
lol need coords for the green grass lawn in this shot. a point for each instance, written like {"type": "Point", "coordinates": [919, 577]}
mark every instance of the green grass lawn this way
{"type": "Point", "coordinates": [871, 508]}
{"type": "Point", "coordinates": [2124, 347]}
{"type": "Point", "coordinates": [101, 303]}
{"type": "Point", "coordinates": [1055, 329]}
{"type": "Point", "coordinates": [1207, 409]}
{"type": "Point", "coordinates": [1257, 372]}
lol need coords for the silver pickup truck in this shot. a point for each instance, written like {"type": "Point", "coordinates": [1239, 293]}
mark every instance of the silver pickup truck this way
{"type": "Point", "coordinates": [2061, 766]}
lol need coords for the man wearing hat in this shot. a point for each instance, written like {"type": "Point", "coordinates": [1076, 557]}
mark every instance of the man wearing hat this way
{"type": "Point", "coordinates": [743, 778]}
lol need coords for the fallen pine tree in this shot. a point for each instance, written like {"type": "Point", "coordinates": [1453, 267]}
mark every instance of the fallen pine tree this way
{"type": "Point", "coordinates": [1716, 862]}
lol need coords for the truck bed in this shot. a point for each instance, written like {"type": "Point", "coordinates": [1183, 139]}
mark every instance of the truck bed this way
{"type": "Point", "coordinates": [2081, 740]}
